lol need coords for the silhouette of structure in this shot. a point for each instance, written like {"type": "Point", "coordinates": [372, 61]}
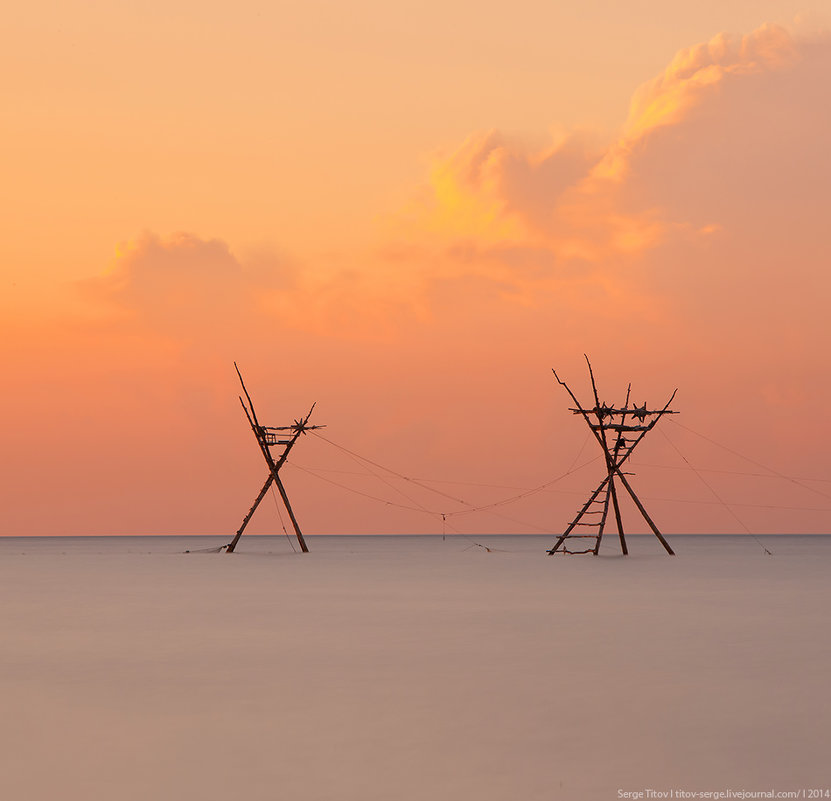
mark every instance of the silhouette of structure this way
{"type": "Point", "coordinates": [269, 437]}
{"type": "Point", "coordinates": [618, 431]}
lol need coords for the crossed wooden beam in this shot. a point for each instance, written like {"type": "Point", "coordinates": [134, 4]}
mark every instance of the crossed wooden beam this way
{"type": "Point", "coordinates": [269, 437]}
{"type": "Point", "coordinates": [611, 419]}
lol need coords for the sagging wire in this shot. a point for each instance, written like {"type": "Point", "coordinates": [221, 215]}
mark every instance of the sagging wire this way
{"type": "Point", "coordinates": [416, 506]}
{"type": "Point", "coordinates": [732, 472]}
{"type": "Point", "coordinates": [715, 494]}
{"type": "Point", "coordinates": [280, 515]}
{"type": "Point", "coordinates": [358, 460]}
{"type": "Point", "coordinates": [753, 461]}
{"type": "Point", "coordinates": [443, 515]}
{"type": "Point", "coordinates": [471, 508]}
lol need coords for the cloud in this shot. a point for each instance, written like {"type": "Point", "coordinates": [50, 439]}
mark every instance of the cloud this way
{"type": "Point", "coordinates": [719, 165]}
{"type": "Point", "coordinates": [691, 250]}
{"type": "Point", "coordinates": [728, 144]}
{"type": "Point", "coordinates": [716, 178]}
{"type": "Point", "coordinates": [692, 79]}
{"type": "Point", "coordinates": [187, 287]}
{"type": "Point", "coordinates": [739, 181]}
{"type": "Point", "coordinates": [168, 281]}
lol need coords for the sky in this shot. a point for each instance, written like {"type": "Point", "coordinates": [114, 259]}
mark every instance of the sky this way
{"type": "Point", "coordinates": [409, 214]}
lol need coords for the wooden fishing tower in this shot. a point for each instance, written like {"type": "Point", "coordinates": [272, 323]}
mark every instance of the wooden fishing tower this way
{"type": "Point", "coordinates": [269, 437]}
{"type": "Point", "coordinates": [618, 431]}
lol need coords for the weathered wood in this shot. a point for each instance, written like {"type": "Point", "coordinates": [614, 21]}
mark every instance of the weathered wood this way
{"type": "Point", "coordinates": [265, 439]}
{"type": "Point", "coordinates": [602, 522]}
{"type": "Point", "coordinates": [614, 457]}
{"type": "Point", "coordinates": [600, 411]}
{"type": "Point", "coordinates": [250, 402]}
{"type": "Point", "coordinates": [274, 471]}
{"type": "Point", "coordinates": [579, 515]}
{"type": "Point", "coordinates": [611, 411]}
{"type": "Point", "coordinates": [618, 518]}
{"type": "Point", "coordinates": [646, 515]}
{"type": "Point", "coordinates": [241, 529]}
{"type": "Point", "coordinates": [617, 427]}
{"type": "Point", "coordinates": [281, 489]}
{"type": "Point", "coordinates": [614, 460]}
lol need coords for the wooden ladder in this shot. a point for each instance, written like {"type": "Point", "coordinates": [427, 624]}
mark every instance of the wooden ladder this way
{"type": "Point", "coordinates": [597, 509]}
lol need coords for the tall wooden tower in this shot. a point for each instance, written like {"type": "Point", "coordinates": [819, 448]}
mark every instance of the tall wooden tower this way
{"type": "Point", "coordinates": [269, 437]}
{"type": "Point", "coordinates": [618, 431]}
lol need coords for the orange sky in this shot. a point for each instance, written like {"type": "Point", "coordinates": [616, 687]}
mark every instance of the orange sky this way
{"type": "Point", "coordinates": [410, 214]}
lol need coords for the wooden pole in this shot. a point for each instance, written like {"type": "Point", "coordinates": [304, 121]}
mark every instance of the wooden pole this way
{"type": "Point", "coordinates": [274, 473]}
{"type": "Point", "coordinates": [610, 464]}
{"type": "Point", "coordinates": [614, 457]}
{"type": "Point", "coordinates": [645, 515]}
{"type": "Point", "coordinates": [263, 491]}
{"type": "Point", "coordinates": [579, 515]}
{"type": "Point", "coordinates": [602, 526]}
{"type": "Point", "coordinates": [618, 518]}
{"type": "Point", "coordinates": [250, 402]}
{"type": "Point", "coordinates": [281, 489]}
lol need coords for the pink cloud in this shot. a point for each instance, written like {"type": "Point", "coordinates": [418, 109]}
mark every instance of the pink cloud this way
{"type": "Point", "coordinates": [169, 282]}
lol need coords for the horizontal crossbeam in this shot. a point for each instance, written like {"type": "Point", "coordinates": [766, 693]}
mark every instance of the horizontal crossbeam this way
{"type": "Point", "coordinates": [617, 427]}
{"type": "Point", "coordinates": [295, 427]}
{"type": "Point", "coordinates": [608, 411]}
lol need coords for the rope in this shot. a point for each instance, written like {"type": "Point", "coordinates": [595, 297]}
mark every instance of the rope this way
{"type": "Point", "coordinates": [423, 508]}
{"type": "Point", "coordinates": [422, 483]}
{"type": "Point", "coordinates": [527, 493]}
{"type": "Point", "coordinates": [316, 471]}
{"type": "Point", "coordinates": [452, 481]}
{"type": "Point", "coordinates": [488, 508]}
{"type": "Point", "coordinates": [280, 515]}
{"type": "Point", "coordinates": [736, 504]}
{"type": "Point", "coordinates": [466, 536]}
{"type": "Point", "coordinates": [753, 461]}
{"type": "Point", "coordinates": [388, 469]}
{"type": "Point", "coordinates": [715, 494]}
{"type": "Point", "coordinates": [358, 492]}
{"type": "Point", "coordinates": [416, 506]}
{"type": "Point", "coordinates": [392, 486]}
{"type": "Point", "coordinates": [580, 452]}
{"type": "Point", "coordinates": [472, 508]}
{"type": "Point", "coordinates": [430, 480]}
{"type": "Point", "coordinates": [207, 550]}
{"type": "Point", "coordinates": [729, 472]}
